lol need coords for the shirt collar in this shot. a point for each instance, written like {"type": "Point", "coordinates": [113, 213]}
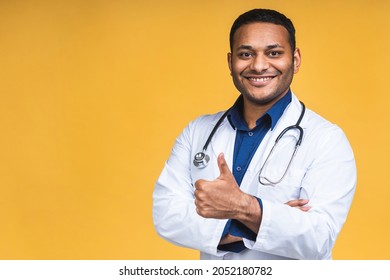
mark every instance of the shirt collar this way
{"type": "Point", "coordinates": [236, 119]}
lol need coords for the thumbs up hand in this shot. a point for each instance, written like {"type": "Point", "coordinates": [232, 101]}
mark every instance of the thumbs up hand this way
{"type": "Point", "coordinates": [220, 198]}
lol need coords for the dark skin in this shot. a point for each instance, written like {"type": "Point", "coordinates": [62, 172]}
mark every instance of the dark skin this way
{"type": "Point", "coordinates": [262, 65]}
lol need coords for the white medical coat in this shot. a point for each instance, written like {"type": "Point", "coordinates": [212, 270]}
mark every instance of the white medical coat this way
{"type": "Point", "coordinates": [322, 171]}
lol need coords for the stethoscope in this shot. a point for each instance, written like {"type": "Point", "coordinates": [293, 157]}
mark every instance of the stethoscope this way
{"type": "Point", "coordinates": [201, 159]}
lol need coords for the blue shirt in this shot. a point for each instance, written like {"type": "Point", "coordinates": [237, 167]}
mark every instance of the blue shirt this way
{"type": "Point", "coordinates": [245, 146]}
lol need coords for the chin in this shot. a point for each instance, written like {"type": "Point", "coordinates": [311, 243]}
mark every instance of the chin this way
{"type": "Point", "coordinates": [263, 100]}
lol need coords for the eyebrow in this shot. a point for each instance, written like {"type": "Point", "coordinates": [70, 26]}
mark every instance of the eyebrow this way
{"type": "Point", "coordinates": [269, 47]}
{"type": "Point", "coordinates": [245, 47]}
{"type": "Point", "coordinates": [274, 46]}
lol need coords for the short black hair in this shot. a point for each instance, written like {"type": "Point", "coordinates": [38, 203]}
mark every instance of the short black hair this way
{"type": "Point", "coordinates": [264, 15]}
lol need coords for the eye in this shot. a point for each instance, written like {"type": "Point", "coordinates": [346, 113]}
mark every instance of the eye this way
{"type": "Point", "coordinates": [245, 55]}
{"type": "Point", "coordinates": [275, 53]}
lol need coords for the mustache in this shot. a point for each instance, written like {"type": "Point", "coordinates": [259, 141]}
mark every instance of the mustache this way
{"type": "Point", "coordinates": [262, 73]}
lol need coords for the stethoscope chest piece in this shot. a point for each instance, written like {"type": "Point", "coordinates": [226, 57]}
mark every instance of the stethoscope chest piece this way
{"type": "Point", "coordinates": [201, 160]}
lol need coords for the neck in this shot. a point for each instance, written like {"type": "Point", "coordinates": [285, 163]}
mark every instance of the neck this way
{"type": "Point", "coordinates": [253, 112]}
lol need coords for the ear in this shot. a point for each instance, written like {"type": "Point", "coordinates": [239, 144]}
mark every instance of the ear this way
{"type": "Point", "coordinates": [229, 59]}
{"type": "Point", "coordinates": [297, 60]}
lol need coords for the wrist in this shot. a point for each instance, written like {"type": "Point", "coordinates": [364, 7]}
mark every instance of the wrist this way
{"type": "Point", "coordinates": [250, 212]}
{"type": "Point", "coordinates": [248, 208]}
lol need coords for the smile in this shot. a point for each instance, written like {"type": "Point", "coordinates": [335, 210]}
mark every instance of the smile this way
{"type": "Point", "coordinates": [259, 81]}
{"type": "Point", "coordinates": [262, 79]}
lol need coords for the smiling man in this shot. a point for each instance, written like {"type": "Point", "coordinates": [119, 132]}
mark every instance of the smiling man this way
{"type": "Point", "coordinates": [267, 179]}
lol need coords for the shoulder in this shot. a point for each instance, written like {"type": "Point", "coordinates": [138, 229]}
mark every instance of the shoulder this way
{"type": "Point", "coordinates": [207, 118]}
{"type": "Point", "coordinates": [319, 132]}
{"type": "Point", "coordinates": [202, 125]}
{"type": "Point", "coordinates": [312, 122]}
{"type": "Point", "coordinates": [318, 124]}
{"type": "Point", "coordinates": [204, 121]}
{"type": "Point", "coordinates": [323, 134]}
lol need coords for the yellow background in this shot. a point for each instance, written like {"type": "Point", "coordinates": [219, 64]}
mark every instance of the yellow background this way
{"type": "Point", "coordinates": [93, 94]}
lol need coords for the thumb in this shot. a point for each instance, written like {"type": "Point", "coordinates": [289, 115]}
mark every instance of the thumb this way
{"type": "Point", "coordinates": [223, 167]}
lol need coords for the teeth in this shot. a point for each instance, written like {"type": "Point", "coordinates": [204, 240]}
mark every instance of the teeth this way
{"type": "Point", "coordinates": [260, 79]}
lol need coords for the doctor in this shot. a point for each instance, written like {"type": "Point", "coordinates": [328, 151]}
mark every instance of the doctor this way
{"type": "Point", "coordinates": [229, 190]}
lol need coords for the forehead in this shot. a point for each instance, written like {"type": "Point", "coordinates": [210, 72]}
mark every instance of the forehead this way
{"type": "Point", "coordinates": [261, 34]}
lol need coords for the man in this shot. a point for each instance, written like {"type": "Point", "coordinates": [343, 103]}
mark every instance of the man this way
{"type": "Point", "coordinates": [237, 194]}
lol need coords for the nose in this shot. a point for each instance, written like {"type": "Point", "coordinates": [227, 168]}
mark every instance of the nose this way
{"type": "Point", "coordinates": [259, 63]}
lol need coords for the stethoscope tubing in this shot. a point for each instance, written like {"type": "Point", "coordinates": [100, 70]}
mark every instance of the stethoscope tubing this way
{"type": "Point", "coordinates": [201, 159]}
